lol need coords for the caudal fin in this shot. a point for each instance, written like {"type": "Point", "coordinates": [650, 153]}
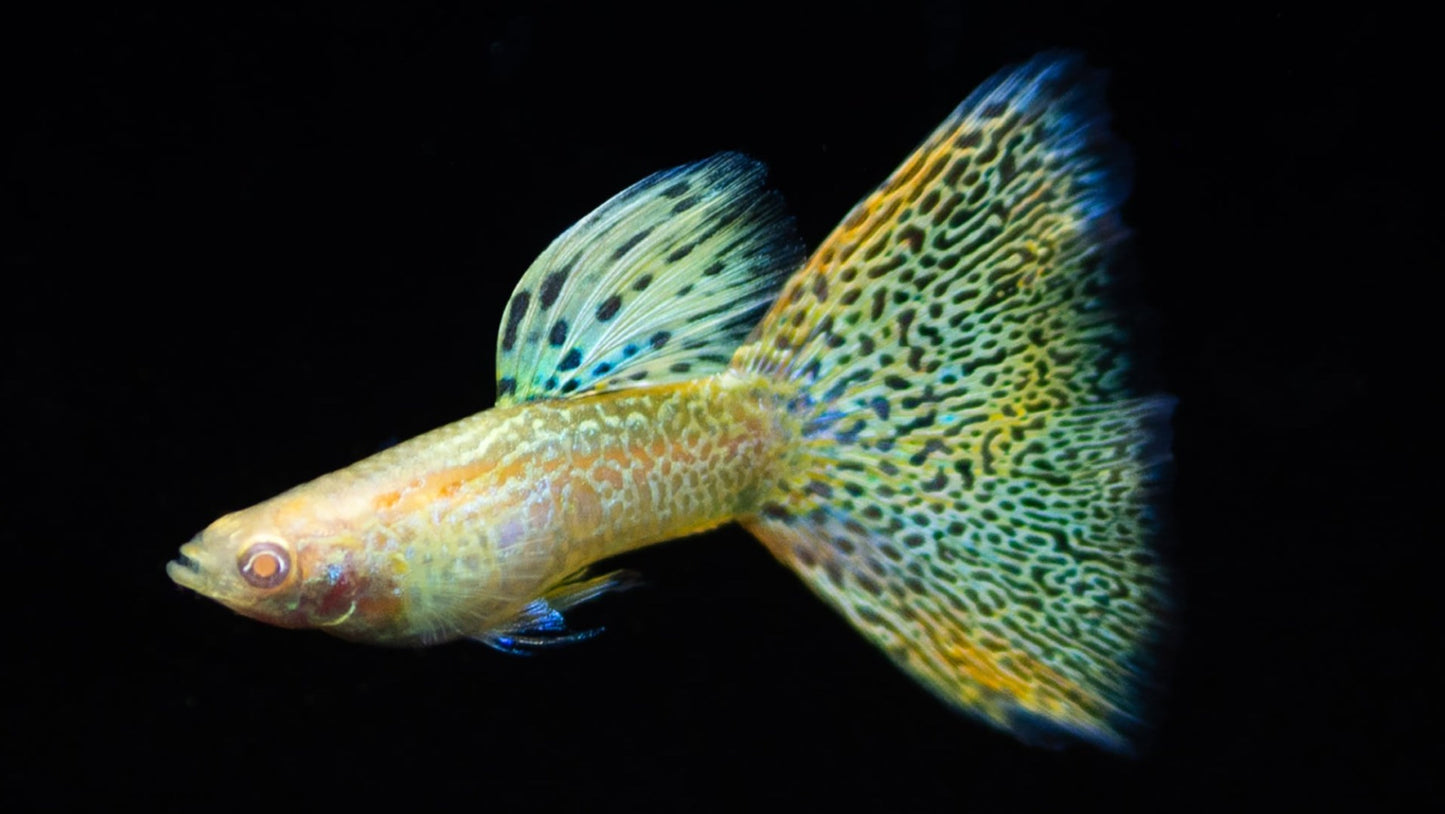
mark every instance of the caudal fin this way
{"type": "Point", "coordinates": [972, 484]}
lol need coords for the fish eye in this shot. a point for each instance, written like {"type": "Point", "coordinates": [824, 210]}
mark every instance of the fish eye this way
{"type": "Point", "coordinates": [264, 564]}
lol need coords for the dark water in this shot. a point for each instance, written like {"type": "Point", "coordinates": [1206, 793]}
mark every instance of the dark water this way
{"type": "Point", "coordinates": [251, 246]}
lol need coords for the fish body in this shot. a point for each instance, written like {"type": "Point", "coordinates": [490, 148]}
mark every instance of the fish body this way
{"type": "Point", "coordinates": [453, 533]}
{"type": "Point", "coordinates": [930, 419]}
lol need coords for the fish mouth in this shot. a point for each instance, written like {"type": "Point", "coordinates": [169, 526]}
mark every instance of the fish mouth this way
{"type": "Point", "coordinates": [185, 570]}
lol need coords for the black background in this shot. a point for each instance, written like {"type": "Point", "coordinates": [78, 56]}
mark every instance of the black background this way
{"type": "Point", "coordinates": [250, 245]}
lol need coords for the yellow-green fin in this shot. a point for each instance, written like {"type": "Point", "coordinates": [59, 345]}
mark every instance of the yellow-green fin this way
{"type": "Point", "coordinates": [660, 283]}
{"type": "Point", "coordinates": [974, 484]}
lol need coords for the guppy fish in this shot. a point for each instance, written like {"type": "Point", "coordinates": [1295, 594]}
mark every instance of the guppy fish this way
{"type": "Point", "coordinates": [929, 420]}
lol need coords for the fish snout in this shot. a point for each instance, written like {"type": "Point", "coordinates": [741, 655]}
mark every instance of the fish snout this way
{"type": "Point", "coordinates": [185, 570]}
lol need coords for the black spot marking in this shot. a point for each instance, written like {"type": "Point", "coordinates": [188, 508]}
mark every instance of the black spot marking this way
{"type": "Point", "coordinates": [870, 585]}
{"type": "Point", "coordinates": [609, 308]}
{"type": "Point", "coordinates": [714, 269]}
{"type": "Point", "coordinates": [642, 283]}
{"type": "Point", "coordinates": [680, 367]}
{"type": "Point", "coordinates": [871, 252]}
{"type": "Point", "coordinates": [913, 236]}
{"type": "Point", "coordinates": [905, 321]}
{"type": "Point", "coordinates": [676, 190]}
{"type": "Point", "coordinates": [915, 359]}
{"type": "Point", "coordinates": [602, 369]}
{"type": "Point", "coordinates": [659, 339]}
{"type": "Point", "coordinates": [1007, 169]}
{"type": "Point", "coordinates": [506, 386]}
{"type": "Point", "coordinates": [964, 468]}
{"type": "Point", "coordinates": [820, 489]}
{"type": "Point", "coordinates": [879, 298]}
{"type": "Point", "coordinates": [514, 318]}
{"type": "Point", "coordinates": [936, 483]}
{"type": "Point", "coordinates": [551, 287]}
{"type": "Point", "coordinates": [851, 434]}
{"type": "Point", "coordinates": [631, 243]}
{"type": "Point", "coordinates": [558, 334]}
{"type": "Point", "coordinates": [880, 406]}
{"type": "Point", "coordinates": [571, 360]}
{"type": "Point", "coordinates": [958, 168]}
{"type": "Point", "coordinates": [571, 385]}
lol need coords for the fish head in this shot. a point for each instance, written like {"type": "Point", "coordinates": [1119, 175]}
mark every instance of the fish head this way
{"type": "Point", "coordinates": [248, 565]}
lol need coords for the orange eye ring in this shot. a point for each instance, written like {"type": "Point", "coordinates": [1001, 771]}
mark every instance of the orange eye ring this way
{"type": "Point", "coordinates": [265, 564]}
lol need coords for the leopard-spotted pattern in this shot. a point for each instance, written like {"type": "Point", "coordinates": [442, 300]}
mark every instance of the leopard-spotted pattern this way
{"type": "Point", "coordinates": [973, 490]}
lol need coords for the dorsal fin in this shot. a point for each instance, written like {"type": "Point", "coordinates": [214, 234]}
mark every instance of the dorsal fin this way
{"type": "Point", "coordinates": [660, 283]}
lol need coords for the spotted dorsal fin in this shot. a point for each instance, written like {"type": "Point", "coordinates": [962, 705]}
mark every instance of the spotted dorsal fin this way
{"type": "Point", "coordinates": [660, 283]}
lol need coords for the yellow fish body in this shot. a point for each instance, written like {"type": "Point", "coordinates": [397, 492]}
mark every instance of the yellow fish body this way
{"type": "Point", "coordinates": [929, 420]}
{"type": "Point", "coordinates": [452, 534]}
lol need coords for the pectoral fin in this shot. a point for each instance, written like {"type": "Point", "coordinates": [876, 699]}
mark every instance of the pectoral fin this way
{"type": "Point", "coordinates": [540, 623]}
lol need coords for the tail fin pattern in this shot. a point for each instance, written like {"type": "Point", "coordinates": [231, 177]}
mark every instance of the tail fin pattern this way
{"type": "Point", "coordinates": [971, 486]}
